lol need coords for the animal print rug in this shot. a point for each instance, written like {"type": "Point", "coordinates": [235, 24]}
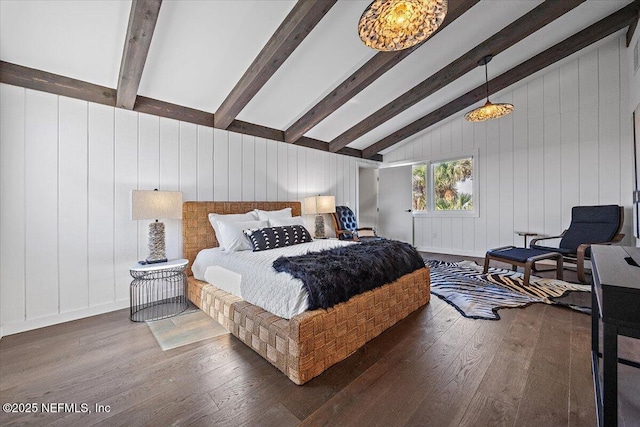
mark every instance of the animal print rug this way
{"type": "Point", "coordinates": [479, 296]}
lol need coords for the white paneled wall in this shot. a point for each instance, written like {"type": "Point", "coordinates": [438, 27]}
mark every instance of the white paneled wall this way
{"type": "Point", "coordinates": [67, 168]}
{"type": "Point", "coordinates": [568, 143]}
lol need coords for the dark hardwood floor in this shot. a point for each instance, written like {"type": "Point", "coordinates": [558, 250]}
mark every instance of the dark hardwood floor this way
{"type": "Point", "coordinates": [435, 368]}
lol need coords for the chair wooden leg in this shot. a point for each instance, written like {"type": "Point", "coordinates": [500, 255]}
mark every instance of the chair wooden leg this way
{"type": "Point", "coordinates": [486, 264]}
{"type": "Point", "coordinates": [527, 272]}
{"type": "Point", "coordinates": [559, 268]}
{"type": "Point", "coordinates": [580, 269]}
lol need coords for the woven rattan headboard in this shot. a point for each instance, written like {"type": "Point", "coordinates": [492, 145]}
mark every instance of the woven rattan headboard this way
{"type": "Point", "coordinates": [197, 232]}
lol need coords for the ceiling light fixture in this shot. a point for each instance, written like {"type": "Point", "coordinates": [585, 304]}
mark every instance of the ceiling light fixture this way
{"type": "Point", "coordinates": [391, 25]}
{"type": "Point", "coordinates": [489, 110]}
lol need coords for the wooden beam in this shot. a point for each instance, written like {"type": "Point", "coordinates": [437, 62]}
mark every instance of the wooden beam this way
{"type": "Point", "coordinates": [239, 126]}
{"type": "Point", "coordinates": [304, 16]}
{"type": "Point", "coordinates": [172, 111]}
{"type": "Point", "coordinates": [363, 77]}
{"type": "Point", "coordinates": [518, 30]}
{"type": "Point", "coordinates": [31, 78]}
{"type": "Point", "coordinates": [256, 130]}
{"type": "Point", "coordinates": [569, 46]}
{"type": "Point", "coordinates": [632, 29]}
{"type": "Point", "coordinates": [142, 22]}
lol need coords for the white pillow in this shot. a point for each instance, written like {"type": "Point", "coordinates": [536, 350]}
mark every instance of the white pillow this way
{"type": "Point", "coordinates": [281, 222]}
{"type": "Point", "coordinates": [267, 215]}
{"type": "Point", "coordinates": [214, 218]}
{"type": "Point", "coordinates": [232, 237]}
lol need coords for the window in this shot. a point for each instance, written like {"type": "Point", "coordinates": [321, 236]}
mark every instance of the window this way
{"type": "Point", "coordinates": [445, 186]}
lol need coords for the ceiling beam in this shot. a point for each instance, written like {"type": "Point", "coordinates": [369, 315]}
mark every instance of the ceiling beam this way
{"type": "Point", "coordinates": [603, 28]}
{"type": "Point", "coordinates": [363, 77]}
{"type": "Point", "coordinates": [31, 78]}
{"type": "Point", "coordinates": [172, 111]}
{"type": "Point", "coordinates": [632, 29]}
{"type": "Point", "coordinates": [304, 16]}
{"type": "Point", "coordinates": [245, 128]}
{"type": "Point", "coordinates": [518, 30]}
{"type": "Point", "coordinates": [142, 22]}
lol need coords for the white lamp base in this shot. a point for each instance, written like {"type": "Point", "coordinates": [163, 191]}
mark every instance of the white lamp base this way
{"type": "Point", "coordinates": [157, 251]}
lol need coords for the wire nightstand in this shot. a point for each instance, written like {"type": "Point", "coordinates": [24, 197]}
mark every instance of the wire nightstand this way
{"type": "Point", "coordinates": [158, 290]}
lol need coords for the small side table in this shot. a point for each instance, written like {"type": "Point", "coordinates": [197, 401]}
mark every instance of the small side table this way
{"type": "Point", "coordinates": [526, 234]}
{"type": "Point", "coordinates": [158, 290]}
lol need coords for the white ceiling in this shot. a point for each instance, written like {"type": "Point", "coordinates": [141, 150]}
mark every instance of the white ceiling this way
{"type": "Point", "coordinates": [201, 48]}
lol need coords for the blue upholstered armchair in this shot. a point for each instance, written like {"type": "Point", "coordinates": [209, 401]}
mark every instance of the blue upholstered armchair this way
{"type": "Point", "coordinates": [346, 226]}
{"type": "Point", "coordinates": [589, 225]}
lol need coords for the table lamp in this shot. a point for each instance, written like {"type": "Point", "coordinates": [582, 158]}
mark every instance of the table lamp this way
{"type": "Point", "coordinates": [318, 205]}
{"type": "Point", "coordinates": [147, 204]}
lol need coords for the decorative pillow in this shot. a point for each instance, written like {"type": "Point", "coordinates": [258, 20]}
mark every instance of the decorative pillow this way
{"type": "Point", "coordinates": [214, 218]}
{"type": "Point", "coordinates": [281, 222]}
{"type": "Point", "coordinates": [278, 237]}
{"type": "Point", "coordinates": [267, 215]}
{"type": "Point", "coordinates": [232, 237]}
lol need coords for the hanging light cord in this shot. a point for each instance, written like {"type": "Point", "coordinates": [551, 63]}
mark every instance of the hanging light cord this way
{"type": "Point", "coordinates": [486, 79]}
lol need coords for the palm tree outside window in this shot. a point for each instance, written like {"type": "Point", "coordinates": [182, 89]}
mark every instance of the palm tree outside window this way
{"type": "Point", "coordinates": [444, 185]}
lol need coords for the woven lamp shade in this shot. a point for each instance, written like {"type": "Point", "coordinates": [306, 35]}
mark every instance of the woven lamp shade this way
{"type": "Point", "coordinates": [392, 25]}
{"type": "Point", "coordinates": [488, 111]}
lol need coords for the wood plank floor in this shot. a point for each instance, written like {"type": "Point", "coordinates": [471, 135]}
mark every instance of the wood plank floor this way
{"type": "Point", "coordinates": [435, 368]}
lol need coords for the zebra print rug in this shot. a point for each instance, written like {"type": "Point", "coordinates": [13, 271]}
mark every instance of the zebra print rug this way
{"type": "Point", "coordinates": [479, 296]}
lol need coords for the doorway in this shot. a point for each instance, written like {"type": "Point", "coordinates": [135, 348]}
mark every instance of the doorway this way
{"type": "Point", "coordinates": [367, 197]}
{"type": "Point", "coordinates": [395, 217]}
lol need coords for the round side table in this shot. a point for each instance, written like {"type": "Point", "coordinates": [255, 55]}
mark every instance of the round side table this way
{"type": "Point", "coordinates": [526, 234]}
{"type": "Point", "coordinates": [158, 290]}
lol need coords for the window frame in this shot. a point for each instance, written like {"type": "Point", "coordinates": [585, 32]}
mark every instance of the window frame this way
{"type": "Point", "coordinates": [429, 163]}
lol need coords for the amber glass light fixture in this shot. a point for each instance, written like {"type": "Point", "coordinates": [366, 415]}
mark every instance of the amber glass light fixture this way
{"type": "Point", "coordinates": [489, 110]}
{"type": "Point", "coordinates": [391, 25]}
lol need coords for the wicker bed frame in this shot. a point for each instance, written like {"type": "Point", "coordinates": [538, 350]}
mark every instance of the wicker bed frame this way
{"type": "Point", "coordinates": [309, 343]}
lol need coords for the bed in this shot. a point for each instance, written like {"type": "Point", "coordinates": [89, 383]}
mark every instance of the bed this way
{"type": "Point", "coordinates": [309, 343]}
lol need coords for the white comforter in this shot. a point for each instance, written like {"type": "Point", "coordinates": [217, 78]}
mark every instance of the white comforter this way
{"type": "Point", "coordinates": [250, 275]}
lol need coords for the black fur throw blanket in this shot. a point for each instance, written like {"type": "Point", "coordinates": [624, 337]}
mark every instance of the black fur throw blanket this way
{"type": "Point", "coordinates": [335, 275]}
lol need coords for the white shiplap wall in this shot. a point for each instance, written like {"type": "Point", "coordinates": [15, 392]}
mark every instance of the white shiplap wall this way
{"type": "Point", "coordinates": [67, 168]}
{"type": "Point", "coordinates": [568, 143]}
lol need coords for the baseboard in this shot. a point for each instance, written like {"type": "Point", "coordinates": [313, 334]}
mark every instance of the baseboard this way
{"type": "Point", "coordinates": [41, 322]}
{"type": "Point", "coordinates": [451, 251]}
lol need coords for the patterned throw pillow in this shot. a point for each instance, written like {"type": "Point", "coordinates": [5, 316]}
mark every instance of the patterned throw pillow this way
{"type": "Point", "coordinates": [277, 237]}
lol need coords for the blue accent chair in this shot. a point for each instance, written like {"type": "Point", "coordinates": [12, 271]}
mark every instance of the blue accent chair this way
{"type": "Point", "coordinates": [589, 225]}
{"type": "Point", "coordinates": [346, 225]}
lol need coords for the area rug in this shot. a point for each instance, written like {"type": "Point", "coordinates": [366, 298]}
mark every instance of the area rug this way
{"type": "Point", "coordinates": [479, 296]}
{"type": "Point", "coordinates": [186, 328]}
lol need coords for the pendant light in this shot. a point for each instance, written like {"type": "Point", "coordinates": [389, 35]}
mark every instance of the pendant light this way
{"type": "Point", "coordinates": [489, 110]}
{"type": "Point", "coordinates": [392, 25]}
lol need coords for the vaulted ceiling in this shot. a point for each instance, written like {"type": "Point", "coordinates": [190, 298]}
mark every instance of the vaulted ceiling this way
{"type": "Point", "coordinates": [292, 71]}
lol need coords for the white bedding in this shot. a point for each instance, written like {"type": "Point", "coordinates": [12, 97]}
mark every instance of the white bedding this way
{"type": "Point", "coordinates": [250, 275]}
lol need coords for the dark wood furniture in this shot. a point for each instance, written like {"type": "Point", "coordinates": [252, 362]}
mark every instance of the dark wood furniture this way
{"type": "Point", "coordinates": [615, 300]}
{"type": "Point", "coordinates": [522, 257]}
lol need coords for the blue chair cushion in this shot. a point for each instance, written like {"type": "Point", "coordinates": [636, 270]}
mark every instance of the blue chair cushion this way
{"type": "Point", "coordinates": [346, 221]}
{"type": "Point", "coordinates": [563, 251]}
{"type": "Point", "coordinates": [591, 224]}
{"type": "Point", "coordinates": [517, 254]}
